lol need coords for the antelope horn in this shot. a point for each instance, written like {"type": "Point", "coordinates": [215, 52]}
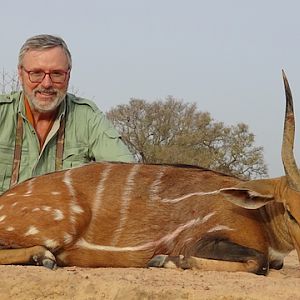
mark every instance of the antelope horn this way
{"type": "Point", "coordinates": [287, 154]}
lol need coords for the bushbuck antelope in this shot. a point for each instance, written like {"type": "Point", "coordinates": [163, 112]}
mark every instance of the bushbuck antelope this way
{"type": "Point", "coordinates": [136, 215]}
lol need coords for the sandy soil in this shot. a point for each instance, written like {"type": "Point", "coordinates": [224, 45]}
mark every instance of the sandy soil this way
{"type": "Point", "coordinates": [30, 282]}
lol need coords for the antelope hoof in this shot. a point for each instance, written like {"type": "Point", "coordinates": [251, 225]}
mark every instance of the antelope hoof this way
{"type": "Point", "coordinates": [157, 261]}
{"type": "Point", "coordinates": [49, 263]}
{"type": "Point", "coordinates": [47, 259]}
{"type": "Point", "coordinates": [169, 262]}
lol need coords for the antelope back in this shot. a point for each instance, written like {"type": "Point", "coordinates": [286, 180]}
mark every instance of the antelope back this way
{"type": "Point", "coordinates": [106, 203]}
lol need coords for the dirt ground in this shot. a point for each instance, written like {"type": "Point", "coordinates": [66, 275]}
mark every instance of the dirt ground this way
{"type": "Point", "coordinates": [30, 282]}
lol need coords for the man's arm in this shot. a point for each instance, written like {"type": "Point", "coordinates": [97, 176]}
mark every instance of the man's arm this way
{"type": "Point", "coordinates": [105, 142]}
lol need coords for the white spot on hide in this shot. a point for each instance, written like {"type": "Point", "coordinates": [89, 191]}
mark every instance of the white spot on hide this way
{"type": "Point", "coordinates": [51, 244]}
{"type": "Point", "coordinates": [46, 208]}
{"type": "Point", "coordinates": [2, 218]}
{"type": "Point", "coordinates": [76, 209]}
{"type": "Point", "coordinates": [55, 193]}
{"type": "Point", "coordinates": [31, 231]}
{"type": "Point", "coordinates": [58, 215]}
{"type": "Point", "coordinates": [67, 238]}
{"type": "Point", "coordinates": [11, 194]}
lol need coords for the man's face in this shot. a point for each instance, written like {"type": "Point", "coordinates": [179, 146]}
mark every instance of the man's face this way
{"type": "Point", "coordinates": [47, 95]}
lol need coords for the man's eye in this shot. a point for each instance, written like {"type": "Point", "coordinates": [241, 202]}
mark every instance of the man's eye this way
{"type": "Point", "coordinates": [57, 74]}
{"type": "Point", "coordinates": [37, 73]}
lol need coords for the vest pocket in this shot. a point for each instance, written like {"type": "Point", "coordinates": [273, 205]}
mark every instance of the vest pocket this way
{"type": "Point", "coordinates": [6, 161]}
{"type": "Point", "coordinates": [2, 174]}
{"type": "Point", "coordinates": [5, 176]}
{"type": "Point", "coordinates": [74, 157]}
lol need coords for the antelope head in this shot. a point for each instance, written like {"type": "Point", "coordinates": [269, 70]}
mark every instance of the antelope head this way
{"type": "Point", "coordinates": [285, 190]}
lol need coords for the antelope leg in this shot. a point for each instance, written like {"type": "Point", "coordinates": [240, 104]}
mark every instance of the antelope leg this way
{"type": "Point", "coordinates": [204, 264]}
{"type": "Point", "coordinates": [37, 255]}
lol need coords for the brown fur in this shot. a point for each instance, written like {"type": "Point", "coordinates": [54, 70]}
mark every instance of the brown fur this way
{"type": "Point", "coordinates": [147, 219]}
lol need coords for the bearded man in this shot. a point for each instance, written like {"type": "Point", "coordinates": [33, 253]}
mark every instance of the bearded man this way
{"type": "Point", "coordinates": [43, 128]}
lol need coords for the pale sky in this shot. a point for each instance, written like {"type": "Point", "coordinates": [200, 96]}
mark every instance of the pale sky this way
{"type": "Point", "coordinates": [225, 55]}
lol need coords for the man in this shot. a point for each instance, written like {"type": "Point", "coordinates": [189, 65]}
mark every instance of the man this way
{"type": "Point", "coordinates": [44, 128]}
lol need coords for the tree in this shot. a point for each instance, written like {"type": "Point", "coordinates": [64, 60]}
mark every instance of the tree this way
{"type": "Point", "coordinates": [171, 131]}
{"type": "Point", "coordinates": [9, 82]}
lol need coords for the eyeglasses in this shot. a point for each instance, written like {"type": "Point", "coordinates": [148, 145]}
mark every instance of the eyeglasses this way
{"type": "Point", "coordinates": [58, 76]}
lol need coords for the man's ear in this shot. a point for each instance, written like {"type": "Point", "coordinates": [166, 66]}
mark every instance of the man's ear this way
{"type": "Point", "coordinates": [251, 194]}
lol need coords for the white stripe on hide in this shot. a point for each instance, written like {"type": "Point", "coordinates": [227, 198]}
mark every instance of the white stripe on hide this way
{"type": "Point", "coordinates": [125, 200]}
{"type": "Point", "coordinates": [155, 186]}
{"type": "Point", "coordinates": [219, 228]}
{"type": "Point", "coordinates": [168, 238]}
{"type": "Point", "coordinates": [175, 200]}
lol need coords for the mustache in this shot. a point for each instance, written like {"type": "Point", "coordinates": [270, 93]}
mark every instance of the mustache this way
{"type": "Point", "coordinates": [42, 90]}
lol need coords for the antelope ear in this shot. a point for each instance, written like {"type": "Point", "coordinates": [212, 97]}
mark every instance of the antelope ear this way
{"type": "Point", "coordinates": [246, 197]}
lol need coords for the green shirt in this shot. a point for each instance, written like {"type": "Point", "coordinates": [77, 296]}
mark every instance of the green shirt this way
{"type": "Point", "coordinates": [89, 136]}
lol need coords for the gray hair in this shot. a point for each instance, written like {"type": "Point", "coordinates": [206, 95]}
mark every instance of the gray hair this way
{"type": "Point", "coordinates": [41, 42]}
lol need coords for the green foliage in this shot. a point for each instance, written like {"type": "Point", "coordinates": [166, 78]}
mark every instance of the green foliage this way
{"type": "Point", "coordinates": [171, 131]}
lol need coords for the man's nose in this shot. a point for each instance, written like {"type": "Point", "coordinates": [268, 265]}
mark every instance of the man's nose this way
{"type": "Point", "coordinates": [47, 82]}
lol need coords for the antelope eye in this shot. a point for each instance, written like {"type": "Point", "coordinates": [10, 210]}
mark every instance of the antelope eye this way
{"type": "Point", "coordinates": [291, 216]}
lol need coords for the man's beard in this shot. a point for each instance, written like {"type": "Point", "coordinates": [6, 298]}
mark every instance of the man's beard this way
{"type": "Point", "coordinates": [45, 106]}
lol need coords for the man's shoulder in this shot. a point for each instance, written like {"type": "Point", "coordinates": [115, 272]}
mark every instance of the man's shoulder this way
{"type": "Point", "coordinates": [83, 103]}
{"type": "Point", "coordinates": [9, 98]}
